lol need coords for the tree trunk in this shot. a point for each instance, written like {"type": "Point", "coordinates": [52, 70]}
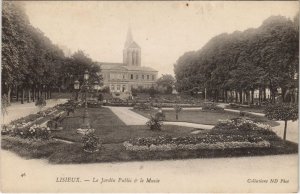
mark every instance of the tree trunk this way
{"type": "Point", "coordinates": [34, 94]}
{"type": "Point", "coordinates": [8, 95]}
{"type": "Point", "coordinates": [29, 97]}
{"type": "Point", "coordinates": [264, 94]}
{"type": "Point", "coordinates": [283, 93]}
{"type": "Point", "coordinates": [241, 96]}
{"type": "Point", "coordinates": [17, 94]}
{"type": "Point", "coordinates": [217, 95]}
{"type": "Point", "coordinates": [236, 96]}
{"type": "Point", "coordinates": [259, 96]}
{"type": "Point", "coordinates": [45, 94]}
{"type": "Point", "coordinates": [284, 132]}
{"type": "Point", "coordinates": [252, 96]}
{"type": "Point", "coordinates": [23, 96]}
{"type": "Point", "coordinates": [176, 116]}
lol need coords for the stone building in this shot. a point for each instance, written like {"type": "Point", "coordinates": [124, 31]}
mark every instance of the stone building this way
{"type": "Point", "coordinates": [122, 77]}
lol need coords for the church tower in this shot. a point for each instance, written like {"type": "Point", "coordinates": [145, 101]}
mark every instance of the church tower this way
{"type": "Point", "coordinates": [131, 51]}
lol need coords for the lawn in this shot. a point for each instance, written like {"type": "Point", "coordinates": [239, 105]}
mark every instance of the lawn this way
{"type": "Point", "coordinates": [113, 132]}
{"type": "Point", "coordinates": [111, 129]}
{"type": "Point", "coordinates": [202, 117]}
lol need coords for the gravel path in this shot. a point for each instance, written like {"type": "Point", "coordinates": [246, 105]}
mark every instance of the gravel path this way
{"type": "Point", "coordinates": [127, 116]}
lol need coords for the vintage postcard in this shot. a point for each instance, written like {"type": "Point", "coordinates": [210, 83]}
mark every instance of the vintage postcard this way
{"type": "Point", "coordinates": [149, 96]}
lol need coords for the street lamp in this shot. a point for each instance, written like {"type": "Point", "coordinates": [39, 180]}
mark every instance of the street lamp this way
{"type": "Point", "coordinates": [86, 75]}
{"type": "Point", "coordinates": [76, 87]}
{"type": "Point", "coordinates": [96, 86]}
{"type": "Point", "coordinates": [86, 124]}
{"type": "Point", "coordinates": [85, 88]}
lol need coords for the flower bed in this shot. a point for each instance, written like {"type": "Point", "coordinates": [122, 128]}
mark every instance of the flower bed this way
{"type": "Point", "coordinates": [20, 127]}
{"type": "Point", "coordinates": [33, 132]}
{"type": "Point", "coordinates": [168, 105]}
{"type": "Point", "coordinates": [241, 124]}
{"type": "Point", "coordinates": [207, 141]}
{"type": "Point", "coordinates": [198, 146]}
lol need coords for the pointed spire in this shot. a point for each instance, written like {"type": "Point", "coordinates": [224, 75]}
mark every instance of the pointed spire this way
{"type": "Point", "coordinates": [129, 38]}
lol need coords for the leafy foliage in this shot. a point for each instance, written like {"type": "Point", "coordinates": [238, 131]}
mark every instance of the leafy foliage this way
{"type": "Point", "coordinates": [265, 57]}
{"type": "Point", "coordinates": [154, 123]}
{"type": "Point", "coordinates": [283, 112]}
{"type": "Point", "coordinates": [166, 82]}
{"type": "Point", "coordinates": [40, 103]}
{"type": "Point", "coordinates": [91, 142]}
{"type": "Point", "coordinates": [31, 60]}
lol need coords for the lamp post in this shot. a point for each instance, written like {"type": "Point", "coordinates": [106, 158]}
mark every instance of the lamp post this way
{"type": "Point", "coordinates": [76, 87]}
{"type": "Point", "coordinates": [96, 86]}
{"type": "Point", "coordinates": [85, 89]}
{"type": "Point", "coordinates": [86, 124]}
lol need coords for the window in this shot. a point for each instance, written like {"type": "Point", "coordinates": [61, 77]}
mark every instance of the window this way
{"type": "Point", "coordinates": [131, 76]}
{"type": "Point", "coordinates": [112, 87]}
{"type": "Point", "coordinates": [123, 76]}
{"type": "Point", "coordinates": [143, 76]}
{"type": "Point", "coordinates": [152, 77]}
{"type": "Point", "coordinates": [136, 76]}
{"type": "Point", "coordinates": [118, 87]}
{"type": "Point", "coordinates": [123, 88]}
{"type": "Point", "coordinates": [147, 77]}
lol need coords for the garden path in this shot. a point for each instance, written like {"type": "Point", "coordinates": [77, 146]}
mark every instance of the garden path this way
{"type": "Point", "coordinates": [189, 175]}
{"type": "Point", "coordinates": [17, 110]}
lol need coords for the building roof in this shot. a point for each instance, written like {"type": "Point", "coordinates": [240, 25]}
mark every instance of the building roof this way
{"type": "Point", "coordinates": [133, 44]}
{"type": "Point", "coordinates": [139, 68]}
{"type": "Point", "coordinates": [121, 66]}
{"type": "Point", "coordinates": [105, 65]}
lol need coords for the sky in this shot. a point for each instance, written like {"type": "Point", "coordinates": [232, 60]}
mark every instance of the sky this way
{"type": "Point", "coordinates": [164, 30]}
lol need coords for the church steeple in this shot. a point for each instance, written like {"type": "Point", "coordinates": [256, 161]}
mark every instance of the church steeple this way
{"type": "Point", "coordinates": [129, 38]}
{"type": "Point", "coordinates": [131, 51]}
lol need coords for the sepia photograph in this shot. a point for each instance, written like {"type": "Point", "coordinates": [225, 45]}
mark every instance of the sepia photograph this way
{"type": "Point", "coordinates": [149, 97]}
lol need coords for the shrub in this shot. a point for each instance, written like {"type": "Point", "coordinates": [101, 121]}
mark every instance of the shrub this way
{"type": "Point", "coordinates": [154, 123]}
{"type": "Point", "coordinates": [243, 114]}
{"type": "Point", "coordinates": [54, 122]}
{"type": "Point", "coordinates": [5, 130]}
{"type": "Point", "coordinates": [70, 107]}
{"type": "Point", "coordinates": [160, 116]}
{"type": "Point", "coordinates": [211, 107]}
{"type": "Point", "coordinates": [283, 112]}
{"type": "Point", "coordinates": [40, 103]}
{"type": "Point", "coordinates": [91, 142]}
